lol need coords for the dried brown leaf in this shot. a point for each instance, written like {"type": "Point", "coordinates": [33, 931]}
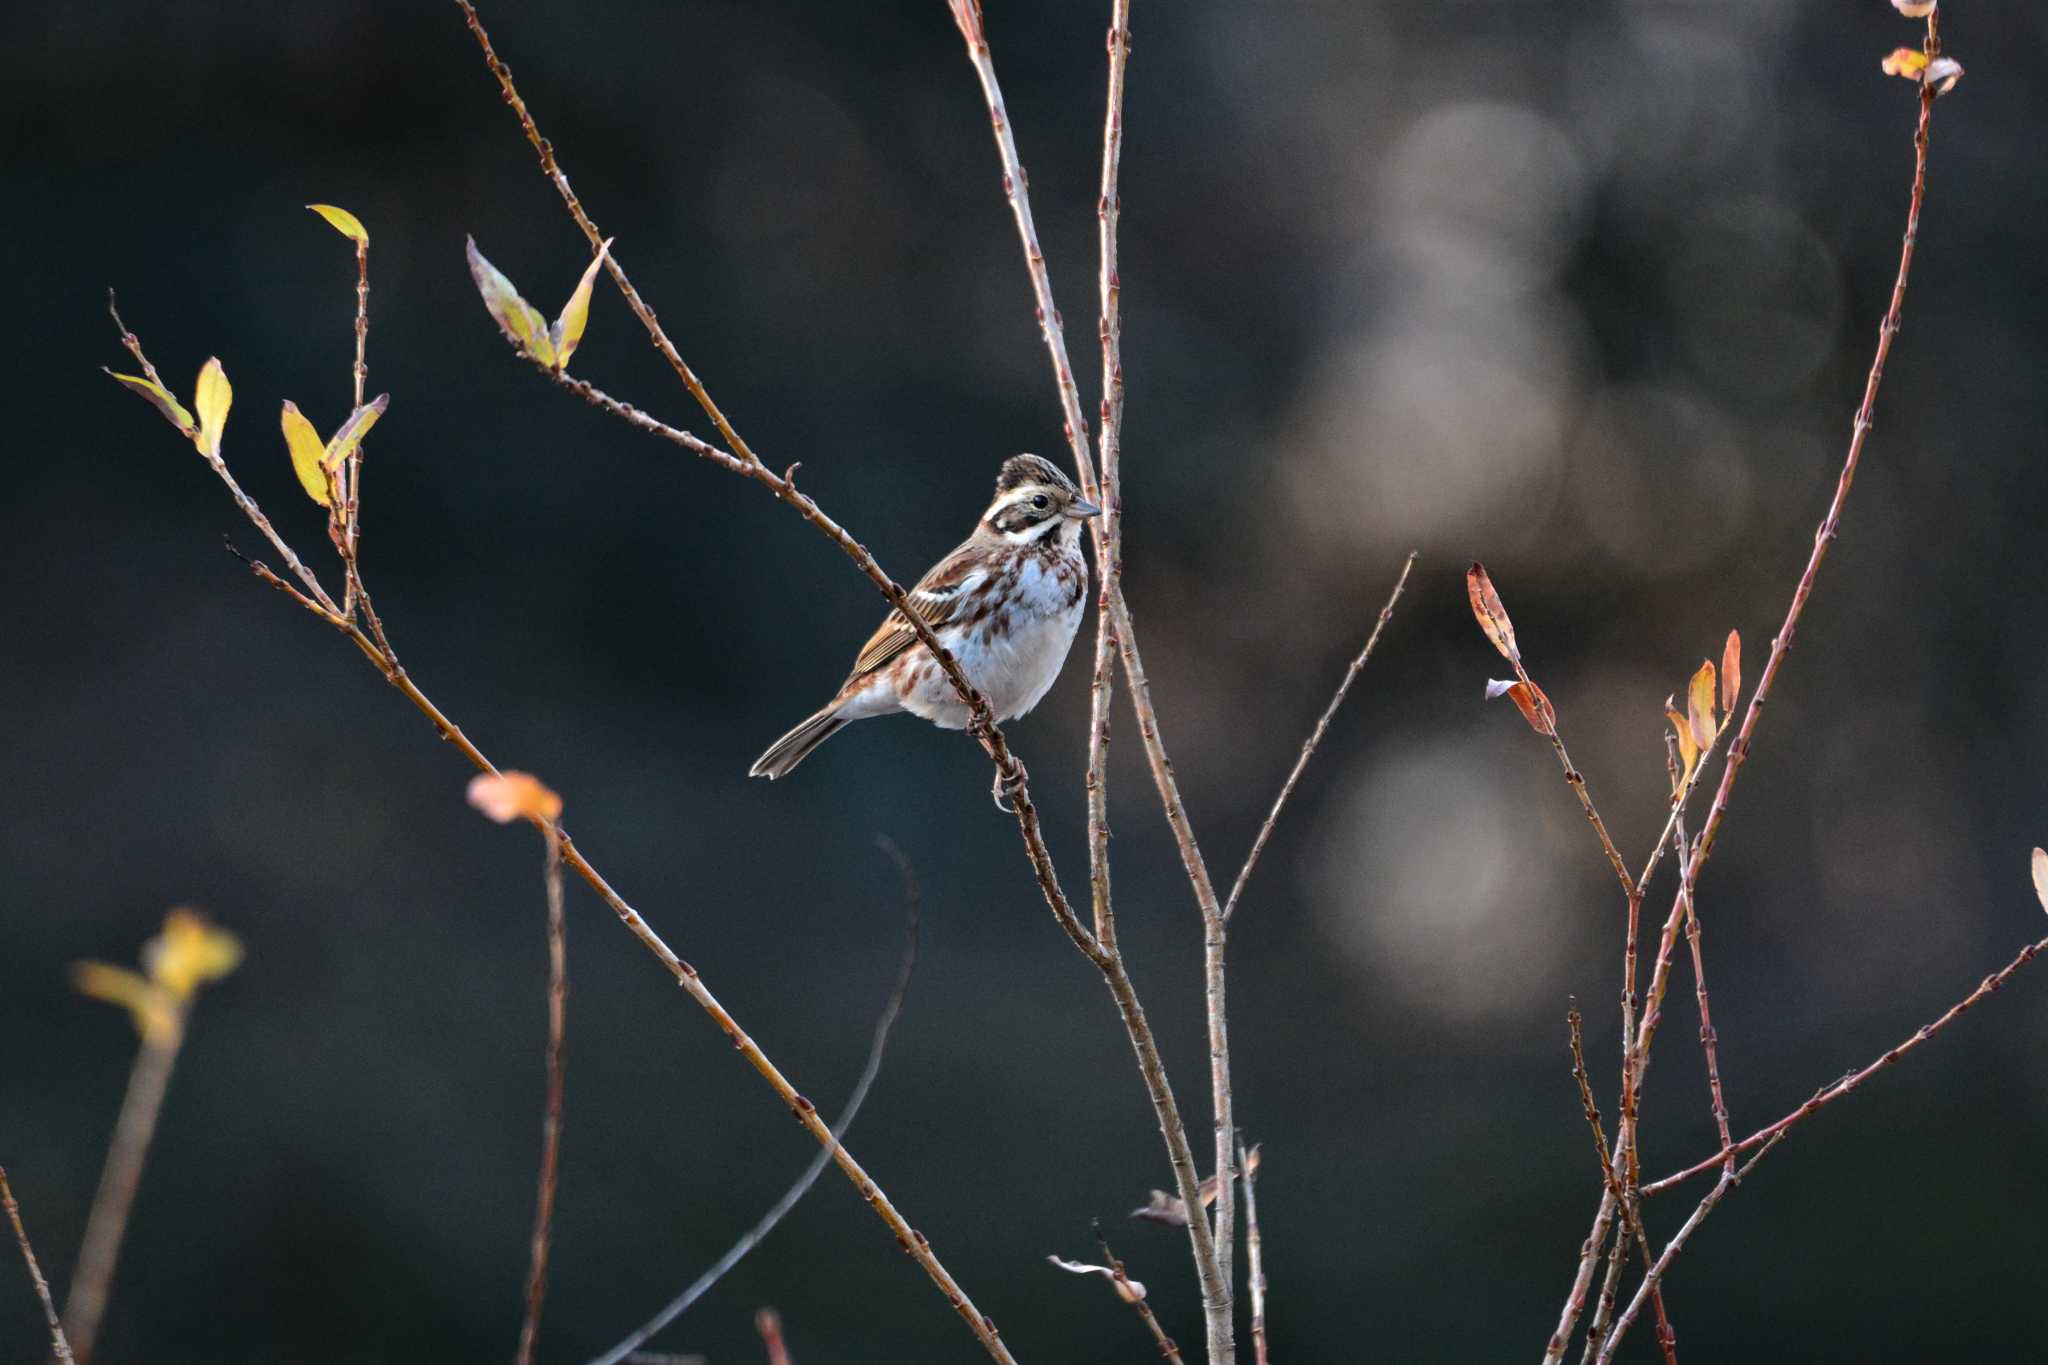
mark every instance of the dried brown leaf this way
{"type": "Point", "coordinates": [1491, 615]}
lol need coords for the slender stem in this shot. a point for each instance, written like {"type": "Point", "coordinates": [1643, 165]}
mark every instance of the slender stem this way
{"type": "Point", "coordinates": [768, 1323]}
{"type": "Point", "coordinates": [1781, 644]}
{"type": "Point", "coordinates": [1136, 1300]}
{"type": "Point", "coordinates": [1828, 1094]}
{"type": "Point", "coordinates": [58, 1343]}
{"type": "Point", "coordinates": [92, 1280]}
{"type": "Point", "coordinates": [1315, 738]}
{"type": "Point", "coordinates": [1109, 544]}
{"type": "Point", "coordinates": [1708, 1038]}
{"type": "Point", "coordinates": [351, 498]}
{"type": "Point", "coordinates": [752, 1238]}
{"type": "Point", "coordinates": [551, 1122]}
{"type": "Point", "coordinates": [1254, 1254]}
{"type": "Point", "coordinates": [1631, 1211]}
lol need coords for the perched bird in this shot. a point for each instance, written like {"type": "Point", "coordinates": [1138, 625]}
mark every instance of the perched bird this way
{"type": "Point", "coordinates": [1006, 603]}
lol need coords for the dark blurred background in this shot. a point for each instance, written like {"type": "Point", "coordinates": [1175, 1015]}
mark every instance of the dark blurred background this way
{"type": "Point", "coordinates": [1586, 291]}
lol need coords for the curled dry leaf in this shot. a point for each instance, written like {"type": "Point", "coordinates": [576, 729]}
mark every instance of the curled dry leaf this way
{"type": "Point", "coordinates": [1688, 750]}
{"type": "Point", "coordinates": [1699, 705]}
{"type": "Point", "coordinates": [1165, 1208]}
{"type": "Point", "coordinates": [567, 332]}
{"type": "Point", "coordinates": [509, 796]}
{"type": "Point", "coordinates": [1908, 62]}
{"type": "Point", "coordinates": [306, 447]}
{"type": "Point", "coordinates": [1534, 706]}
{"type": "Point", "coordinates": [1731, 673]}
{"type": "Point", "coordinates": [2041, 877]}
{"type": "Point", "coordinates": [1943, 73]}
{"type": "Point", "coordinates": [211, 397]}
{"type": "Point", "coordinates": [521, 323]}
{"type": "Point", "coordinates": [1491, 615]}
{"type": "Point", "coordinates": [343, 222]}
{"type": "Point", "coordinates": [1127, 1289]}
{"type": "Point", "coordinates": [162, 400]}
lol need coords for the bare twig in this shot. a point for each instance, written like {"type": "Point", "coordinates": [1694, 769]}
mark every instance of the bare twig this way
{"type": "Point", "coordinates": [768, 1323]}
{"type": "Point", "coordinates": [93, 1277]}
{"type": "Point", "coordinates": [1136, 1299]}
{"type": "Point", "coordinates": [1315, 738]}
{"type": "Point", "coordinates": [1248, 1162]}
{"type": "Point", "coordinates": [1828, 1094]}
{"type": "Point", "coordinates": [1781, 644]}
{"type": "Point", "coordinates": [551, 1121]}
{"type": "Point", "coordinates": [1708, 1038]}
{"type": "Point", "coordinates": [752, 1238]}
{"type": "Point", "coordinates": [58, 1343]}
{"type": "Point", "coordinates": [1632, 1228]}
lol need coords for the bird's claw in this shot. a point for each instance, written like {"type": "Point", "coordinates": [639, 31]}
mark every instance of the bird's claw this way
{"type": "Point", "coordinates": [1005, 788]}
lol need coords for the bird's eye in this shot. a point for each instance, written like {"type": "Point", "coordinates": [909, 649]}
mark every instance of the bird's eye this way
{"type": "Point", "coordinates": [1040, 501]}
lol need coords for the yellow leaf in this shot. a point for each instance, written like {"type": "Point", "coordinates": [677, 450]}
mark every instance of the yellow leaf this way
{"type": "Point", "coordinates": [1688, 750]}
{"type": "Point", "coordinates": [352, 432]}
{"type": "Point", "coordinates": [1906, 61]}
{"type": "Point", "coordinates": [1731, 673]}
{"type": "Point", "coordinates": [154, 1011]}
{"type": "Point", "coordinates": [2041, 877]}
{"type": "Point", "coordinates": [1487, 608]}
{"type": "Point", "coordinates": [305, 446]}
{"type": "Point", "coordinates": [1699, 705]}
{"type": "Point", "coordinates": [517, 319]}
{"type": "Point", "coordinates": [160, 398]}
{"type": "Point", "coordinates": [212, 397]}
{"type": "Point", "coordinates": [343, 222]}
{"type": "Point", "coordinates": [568, 329]}
{"type": "Point", "coordinates": [509, 796]}
{"type": "Point", "coordinates": [189, 953]}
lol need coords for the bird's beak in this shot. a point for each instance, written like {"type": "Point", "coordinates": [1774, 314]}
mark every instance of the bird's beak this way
{"type": "Point", "coordinates": [1080, 509]}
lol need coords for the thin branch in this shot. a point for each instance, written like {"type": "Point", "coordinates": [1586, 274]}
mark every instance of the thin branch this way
{"type": "Point", "coordinates": [1781, 644]}
{"type": "Point", "coordinates": [752, 1238]}
{"type": "Point", "coordinates": [768, 1323]}
{"type": "Point", "coordinates": [1136, 1299]}
{"type": "Point", "coordinates": [1109, 543]}
{"type": "Point", "coordinates": [58, 1342]}
{"type": "Point", "coordinates": [1828, 1094]}
{"type": "Point", "coordinates": [1632, 1227]}
{"type": "Point", "coordinates": [1254, 1253]}
{"type": "Point", "coordinates": [93, 1277]}
{"type": "Point", "coordinates": [1708, 1038]}
{"type": "Point", "coordinates": [551, 1121]}
{"type": "Point", "coordinates": [1654, 1277]}
{"type": "Point", "coordinates": [1315, 738]}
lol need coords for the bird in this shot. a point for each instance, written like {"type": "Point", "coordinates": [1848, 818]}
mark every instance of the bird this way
{"type": "Point", "coordinates": [1006, 602]}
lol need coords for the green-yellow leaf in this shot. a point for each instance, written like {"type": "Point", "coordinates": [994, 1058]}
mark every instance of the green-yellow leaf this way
{"type": "Point", "coordinates": [521, 323]}
{"type": "Point", "coordinates": [160, 398]}
{"type": "Point", "coordinates": [212, 397]}
{"type": "Point", "coordinates": [568, 329]}
{"type": "Point", "coordinates": [305, 446]}
{"type": "Point", "coordinates": [1699, 706]}
{"type": "Point", "coordinates": [352, 432]}
{"type": "Point", "coordinates": [343, 222]}
{"type": "Point", "coordinates": [1688, 751]}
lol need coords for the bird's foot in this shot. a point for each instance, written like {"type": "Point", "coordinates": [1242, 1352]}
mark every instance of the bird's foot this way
{"type": "Point", "coordinates": [1005, 789]}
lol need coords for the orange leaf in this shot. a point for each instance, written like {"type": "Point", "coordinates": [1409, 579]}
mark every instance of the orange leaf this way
{"type": "Point", "coordinates": [1699, 705]}
{"type": "Point", "coordinates": [1492, 616]}
{"type": "Point", "coordinates": [510, 796]}
{"type": "Point", "coordinates": [1529, 699]}
{"type": "Point", "coordinates": [1731, 672]}
{"type": "Point", "coordinates": [1908, 62]}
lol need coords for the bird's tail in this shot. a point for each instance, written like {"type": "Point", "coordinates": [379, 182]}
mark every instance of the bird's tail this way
{"type": "Point", "coordinates": [794, 747]}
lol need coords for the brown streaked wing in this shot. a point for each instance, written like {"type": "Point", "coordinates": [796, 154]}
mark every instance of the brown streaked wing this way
{"type": "Point", "coordinates": [936, 599]}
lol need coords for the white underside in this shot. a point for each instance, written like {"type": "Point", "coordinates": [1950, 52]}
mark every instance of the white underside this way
{"type": "Point", "coordinates": [1013, 672]}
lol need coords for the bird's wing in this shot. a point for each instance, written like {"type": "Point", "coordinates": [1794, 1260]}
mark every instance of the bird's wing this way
{"type": "Point", "coordinates": [937, 599]}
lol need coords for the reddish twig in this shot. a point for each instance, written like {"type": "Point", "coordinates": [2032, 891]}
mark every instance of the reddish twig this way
{"type": "Point", "coordinates": [58, 1342]}
{"type": "Point", "coordinates": [551, 1121]}
{"type": "Point", "coordinates": [1315, 738]}
{"type": "Point", "coordinates": [1134, 1295]}
{"type": "Point", "coordinates": [768, 1323]}
{"type": "Point", "coordinates": [1828, 1094]}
